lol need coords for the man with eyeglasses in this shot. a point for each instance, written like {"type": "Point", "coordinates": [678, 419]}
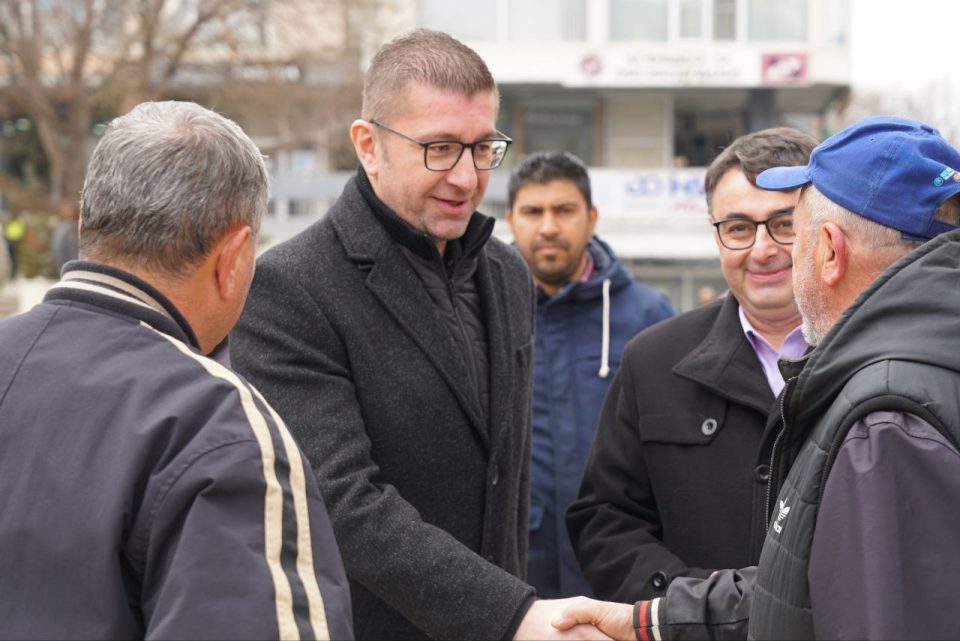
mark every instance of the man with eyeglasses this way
{"type": "Point", "coordinates": [676, 481]}
{"type": "Point", "coordinates": [395, 337]}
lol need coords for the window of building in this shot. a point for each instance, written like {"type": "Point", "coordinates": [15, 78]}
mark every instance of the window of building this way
{"type": "Point", "coordinates": [303, 162]}
{"type": "Point", "coordinates": [299, 207]}
{"type": "Point", "coordinates": [700, 135]}
{"type": "Point", "coordinates": [464, 21]}
{"type": "Point", "coordinates": [837, 28]}
{"type": "Point", "coordinates": [724, 19]}
{"type": "Point", "coordinates": [777, 20]}
{"type": "Point", "coordinates": [547, 20]}
{"type": "Point", "coordinates": [638, 19]}
{"type": "Point", "coordinates": [658, 20]}
{"type": "Point", "coordinates": [520, 20]}
{"type": "Point", "coordinates": [559, 128]}
{"type": "Point", "coordinates": [691, 18]}
{"type": "Point", "coordinates": [688, 283]}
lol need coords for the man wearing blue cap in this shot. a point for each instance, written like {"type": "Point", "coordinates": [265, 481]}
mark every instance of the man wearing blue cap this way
{"type": "Point", "coordinates": [864, 536]}
{"type": "Point", "coordinates": [864, 540]}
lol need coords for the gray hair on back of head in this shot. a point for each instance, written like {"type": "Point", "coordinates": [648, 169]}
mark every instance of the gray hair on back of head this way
{"type": "Point", "coordinates": [164, 184]}
{"type": "Point", "coordinates": [887, 244]}
{"type": "Point", "coordinates": [425, 57]}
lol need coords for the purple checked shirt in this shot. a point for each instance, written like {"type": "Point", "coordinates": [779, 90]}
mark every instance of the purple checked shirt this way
{"type": "Point", "coordinates": [794, 346]}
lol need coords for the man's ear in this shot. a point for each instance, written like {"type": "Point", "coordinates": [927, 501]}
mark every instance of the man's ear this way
{"type": "Point", "coordinates": [592, 214]}
{"type": "Point", "coordinates": [364, 143]}
{"type": "Point", "coordinates": [232, 255]}
{"type": "Point", "coordinates": [832, 254]}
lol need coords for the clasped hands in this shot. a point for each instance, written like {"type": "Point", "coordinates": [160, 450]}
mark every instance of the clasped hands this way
{"type": "Point", "coordinates": [577, 618]}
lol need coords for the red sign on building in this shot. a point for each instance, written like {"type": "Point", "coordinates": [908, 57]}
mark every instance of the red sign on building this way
{"type": "Point", "coordinates": [784, 68]}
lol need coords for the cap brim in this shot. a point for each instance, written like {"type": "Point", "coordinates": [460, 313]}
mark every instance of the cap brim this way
{"type": "Point", "coordinates": [783, 178]}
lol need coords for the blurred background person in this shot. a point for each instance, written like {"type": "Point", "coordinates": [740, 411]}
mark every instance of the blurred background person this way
{"type": "Point", "coordinates": [64, 238]}
{"type": "Point", "coordinates": [14, 231]}
{"type": "Point", "coordinates": [588, 307]}
{"type": "Point", "coordinates": [706, 295]}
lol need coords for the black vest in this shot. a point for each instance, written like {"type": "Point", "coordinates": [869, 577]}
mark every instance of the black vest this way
{"type": "Point", "coordinates": [781, 601]}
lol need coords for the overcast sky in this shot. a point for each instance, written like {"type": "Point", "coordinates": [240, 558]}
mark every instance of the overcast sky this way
{"type": "Point", "coordinates": [904, 50]}
{"type": "Point", "coordinates": [904, 43]}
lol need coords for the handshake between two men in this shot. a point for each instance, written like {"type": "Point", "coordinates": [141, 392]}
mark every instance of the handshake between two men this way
{"type": "Point", "coordinates": [579, 618]}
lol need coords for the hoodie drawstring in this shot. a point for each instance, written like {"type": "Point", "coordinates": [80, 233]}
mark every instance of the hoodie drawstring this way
{"type": "Point", "coordinates": [605, 345]}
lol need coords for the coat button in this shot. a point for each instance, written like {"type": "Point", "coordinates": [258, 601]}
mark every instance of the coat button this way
{"type": "Point", "coordinates": [762, 473]}
{"type": "Point", "coordinates": [659, 581]}
{"type": "Point", "coordinates": [709, 427]}
{"type": "Point", "coordinates": [495, 476]}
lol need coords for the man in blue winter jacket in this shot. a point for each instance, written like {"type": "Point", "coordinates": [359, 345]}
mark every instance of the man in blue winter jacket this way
{"type": "Point", "coordinates": [588, 307]}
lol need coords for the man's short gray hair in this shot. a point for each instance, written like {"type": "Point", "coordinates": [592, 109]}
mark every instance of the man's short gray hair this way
{"type": "Point", "coordinates": [886, 241]}
{"type": "Point", "coordinates": [167, 180]}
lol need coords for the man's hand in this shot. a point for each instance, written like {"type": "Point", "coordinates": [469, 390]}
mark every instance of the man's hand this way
{"type": "Point", "coordinates": [613, 619]}
{"type": "Point", "coordinates": [539, 622]}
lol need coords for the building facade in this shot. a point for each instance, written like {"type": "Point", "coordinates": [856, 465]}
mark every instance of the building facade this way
{"type": "Point", "coordinates": [645, 91]}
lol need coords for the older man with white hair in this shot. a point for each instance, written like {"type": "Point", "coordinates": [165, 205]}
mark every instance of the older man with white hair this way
{"type": "Point", "coordinates": [864, 537]}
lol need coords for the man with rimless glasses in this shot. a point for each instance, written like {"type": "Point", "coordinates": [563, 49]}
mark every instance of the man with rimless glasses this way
{"type": "Point", "coordinates": [676, 481]}
{"type": "Point", "coordinates": [395, 337]}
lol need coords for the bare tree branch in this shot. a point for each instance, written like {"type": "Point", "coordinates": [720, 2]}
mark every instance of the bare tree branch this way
{"type": "Point", "coordinates": [67, 62]}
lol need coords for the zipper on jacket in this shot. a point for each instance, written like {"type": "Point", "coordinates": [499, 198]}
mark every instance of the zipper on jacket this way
{"type": "Point", "coordinates": [467, 343]}
{"type": "Point", "coordinates": [773, 451]}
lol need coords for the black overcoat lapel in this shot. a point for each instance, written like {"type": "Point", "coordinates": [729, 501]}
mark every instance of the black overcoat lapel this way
{"type": "Point", "coordinates": [401, 293]}
{"type": "Point", "coordinates": [729, 368]}
{"type": "Point", "coordinates": [492, 289]}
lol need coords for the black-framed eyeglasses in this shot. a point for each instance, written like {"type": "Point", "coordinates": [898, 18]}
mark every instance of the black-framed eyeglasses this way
{"type": "Point", "coordinates": [443, 155]}
{"type": "Point", "coordinates": [741, 233]}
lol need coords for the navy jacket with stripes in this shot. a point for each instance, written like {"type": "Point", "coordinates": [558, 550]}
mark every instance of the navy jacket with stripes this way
{"type": "Point", "coordinates": [147, 491]}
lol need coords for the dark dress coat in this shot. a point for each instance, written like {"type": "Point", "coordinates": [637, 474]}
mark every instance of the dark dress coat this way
{"type": "Point", "coordinates": [427, 498]}
{"type": "Point", "coordinates": [676, 480]}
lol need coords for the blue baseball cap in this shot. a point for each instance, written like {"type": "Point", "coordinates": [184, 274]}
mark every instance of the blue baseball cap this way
{"type": "Point", "coordinates": [894, 171]}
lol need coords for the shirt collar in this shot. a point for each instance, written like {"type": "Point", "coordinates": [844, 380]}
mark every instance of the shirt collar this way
{"type": "Point", "coordinates": [588, 270]}
{"type": "Point", "coordinates": [794, 345]}
{"type": "Point", "coordinates": [108, 286]}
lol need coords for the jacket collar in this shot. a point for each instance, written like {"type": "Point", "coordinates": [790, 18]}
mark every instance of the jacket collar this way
{"type": "Point", "coordinates": [606, 267]}
{"type": "Point", "coordinates": [420, 244]}
{"type": "Point", "coordinates": [119, 291]}
{"type": "Point", "coordinates": [725, 362]}
{"type": "Point", "coordinates": [394, 283]}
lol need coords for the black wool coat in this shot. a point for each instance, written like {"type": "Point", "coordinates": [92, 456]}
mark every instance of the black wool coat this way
{"type": "Point", "coordinates": [676, 481]}
{"type": "Point", "coordinates": [428, 499]}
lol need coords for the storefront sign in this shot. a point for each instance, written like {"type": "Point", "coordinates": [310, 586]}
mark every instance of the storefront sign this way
{"type": "Point", "coordinates": [668, 69]}
{"type": "Point", "coordinates": [648, 194]}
